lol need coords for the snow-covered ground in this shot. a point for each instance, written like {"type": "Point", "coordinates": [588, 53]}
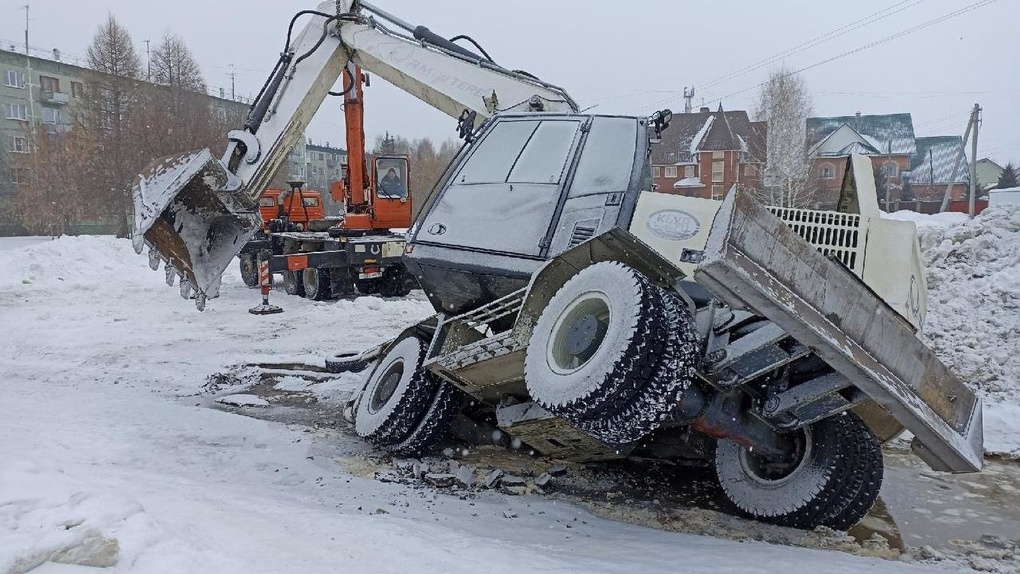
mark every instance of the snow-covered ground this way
{"type": "Point", "coordinates": [110, 454]}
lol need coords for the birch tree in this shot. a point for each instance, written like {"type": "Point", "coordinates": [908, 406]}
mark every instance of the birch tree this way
{"type": "Point", "coordinates": [785, 104]}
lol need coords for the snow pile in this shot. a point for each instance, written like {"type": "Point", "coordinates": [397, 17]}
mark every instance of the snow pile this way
{"type": "Point", "coordinates": [84, 262]}
{"type": "Point", "coordinates": [45, 516]}
{"type": "Point", "coordinates": [973, 323]}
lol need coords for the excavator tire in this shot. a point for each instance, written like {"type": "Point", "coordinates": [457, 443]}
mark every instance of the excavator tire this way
{"type": "Point", "coordinates": [317, 284]}
{"type": "Point", "coordinates": [397, 396]}
{"type": "Point", "coordinates": [599, 338]}
{"type": "Point", "coordinates": [626, 420]}
{"type": "Point", "coordinates": [249, 269]}
{"type": "Point", "coordinates": [433, 426]}
{"type": "Point", "coordinates": [293, 284]}
{"type": "Point", "coordinates": [833, 481]}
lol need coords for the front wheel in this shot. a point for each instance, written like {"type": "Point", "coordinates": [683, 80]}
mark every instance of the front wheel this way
{"type": "Point", "coordinates": [398, 395]}
{"type": "Point", "coordinates": [832, 479]}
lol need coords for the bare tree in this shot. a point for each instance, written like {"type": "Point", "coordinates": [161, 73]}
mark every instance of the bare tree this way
{"type": "Point", "coordinates": [173, 65]}
{"type": "Point", "coordinates": [62, 174]}
{"type": "Point", "coordinates": [111, 98]}
{"type": "Point", "coordinates": [785, 104]}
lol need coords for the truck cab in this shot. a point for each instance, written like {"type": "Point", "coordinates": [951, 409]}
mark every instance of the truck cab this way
{"type": "Point", "coordinates": [295, 208]}
{"type": "Point", "coordinates": [529, 187]}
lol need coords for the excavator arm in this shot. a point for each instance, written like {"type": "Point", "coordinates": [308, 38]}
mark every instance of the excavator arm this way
{"type": "Point", "coordinates": [195, 211]}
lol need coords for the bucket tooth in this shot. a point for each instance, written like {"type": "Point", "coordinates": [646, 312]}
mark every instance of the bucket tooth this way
{"type": "Point", "coordinates": [171, 274]}
{"type": "Point", "coordinates": [154, 259]}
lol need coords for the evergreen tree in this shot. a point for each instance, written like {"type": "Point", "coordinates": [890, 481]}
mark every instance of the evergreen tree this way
{"type": "Point", "coordinates": [1008, 178]}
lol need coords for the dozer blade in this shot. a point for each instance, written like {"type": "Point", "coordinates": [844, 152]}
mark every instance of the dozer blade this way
{"type": "Point", "coordinates": [756, 261]}
{"type": "Point", "coordinates": [195, 215]}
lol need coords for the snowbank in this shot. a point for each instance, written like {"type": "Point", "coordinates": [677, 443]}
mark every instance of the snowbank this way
{"type": "Point", "coordinates": [973, 324]}
{"type": "Point", "coordinates": [83, 262]}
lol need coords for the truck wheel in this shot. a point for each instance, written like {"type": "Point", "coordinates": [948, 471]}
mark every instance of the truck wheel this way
{"type": "Point", "coordinates": [249, 269]}
{"type": "Point", "coordinates": [626, 419]}
{"type": "Point", "coordinates": [599, 337]}
{"type": "Point", "coordinates": [434, 424]}
{"type": "Point", "coordinates": [825, 483]}
{"type": "Point", "coordinates": [293, 284]}
{"type": "Point", "coordinates": [397, 395]}
{"type": "Point", "coordinates": [316, 283]}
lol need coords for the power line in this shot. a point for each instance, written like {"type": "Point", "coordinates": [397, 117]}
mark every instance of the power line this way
{"type": "Point", "coordinates": [818, 40]}
{"type": "Point", "coordinates": [927, 24]}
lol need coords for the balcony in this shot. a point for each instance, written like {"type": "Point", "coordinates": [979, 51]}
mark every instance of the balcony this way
{"type": "Point", "coordinates": [59, 98]}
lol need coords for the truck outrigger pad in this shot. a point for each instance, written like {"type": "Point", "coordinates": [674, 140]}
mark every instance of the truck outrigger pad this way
{"type": "Point", "coordinates": [755, 261]}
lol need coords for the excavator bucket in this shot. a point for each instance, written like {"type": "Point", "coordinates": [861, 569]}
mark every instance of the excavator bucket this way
{"type": "Point", "coordinates": [193, 214]}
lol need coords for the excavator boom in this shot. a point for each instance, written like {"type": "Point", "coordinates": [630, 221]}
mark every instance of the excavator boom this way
{"type": "Point", "coordinates": [195, 211]}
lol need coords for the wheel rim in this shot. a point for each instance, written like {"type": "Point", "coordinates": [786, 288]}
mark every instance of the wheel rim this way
{"type": "Point", "coordinates": [387, 386]}
{"type": "Point", "coordinates": [763, 471]}
{"type": "Point", "coordinates": [579, 332]}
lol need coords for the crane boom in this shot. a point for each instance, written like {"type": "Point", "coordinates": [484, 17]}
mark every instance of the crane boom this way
{"type": "Point", "coordinates": [194, 211]}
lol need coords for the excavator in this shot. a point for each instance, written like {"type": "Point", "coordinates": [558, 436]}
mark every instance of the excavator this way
{"type": "Point", "coordinates": [321, 258]}
{"type": "Point", "coordinates": [589, 316]}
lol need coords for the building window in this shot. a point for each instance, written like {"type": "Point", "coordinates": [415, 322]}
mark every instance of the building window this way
{"type": "Point", "coordinates": [16, 112]}
{"type": "Point", "coordinates": [14, 79]}
{"type": "Point", "coordinates": [671, 171]}
{"type": "Point", "coordinates": [717, 192]}
{"type": "Point", "coordinates": [50, 116]}
{"type": "Point", "coordinates": [718, 155]}
{"type": "Point", "coordinates": [750, 170]}
{"type": "Point", "coordinates": [48, 84]}
{"type": "Point", "coordinates": [718, 169]}
{"type": "Point", "coordinates": [890, 169]}
{"type": "Point", "coordinates": [656, 172]}
{"type": "Point", "coordinates": [690, 171]}
{"type": "Point", "coordinates": [17, 144]}
{"type": "Point", "coordinates": [19, 175]}
{"type": "Point", "coordinates": [826, 171]}
{"type": "Point", "coordinates": [77, 89]}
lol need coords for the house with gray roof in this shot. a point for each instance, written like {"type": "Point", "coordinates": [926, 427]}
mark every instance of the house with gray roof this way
{"type": "Point", "coordinates": [934, 167]}
{"type": "Point", "coordinates": [705, 153]}
{"type": "Point", "coordinates": [887, 138]}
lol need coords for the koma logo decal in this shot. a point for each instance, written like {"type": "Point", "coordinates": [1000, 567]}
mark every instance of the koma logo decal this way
{"type": "Point", "coordinates": [673, 224]}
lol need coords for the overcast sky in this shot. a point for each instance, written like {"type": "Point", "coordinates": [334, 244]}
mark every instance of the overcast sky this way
{"type": "Point", "coordinates": [625, 57]}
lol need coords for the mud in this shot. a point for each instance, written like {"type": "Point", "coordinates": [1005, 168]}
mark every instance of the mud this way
{"type": "Point", "coordinates": [966, 521]}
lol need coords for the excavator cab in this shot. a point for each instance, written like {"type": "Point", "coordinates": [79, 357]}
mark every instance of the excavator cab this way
{"type": "Point", "coordinates": [391, 192]}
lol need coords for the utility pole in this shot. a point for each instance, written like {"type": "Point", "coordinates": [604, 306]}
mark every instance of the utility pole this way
{"type": "Point", "coordinates": [231, 67]}
{"type": "Point", "coordinates": [973, 161]}
{"type": "Point", "coordinates": [959, 156]}
{"type": "Point", "coordinates": [148, 65]}
{"type": "Point", "coordinates": [28, 79]}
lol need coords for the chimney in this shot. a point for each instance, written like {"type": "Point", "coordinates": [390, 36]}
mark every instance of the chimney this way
{"type": "Point", "coordinates": [56, 54]}
{"type": "Point", "coordinates": [704, 109]}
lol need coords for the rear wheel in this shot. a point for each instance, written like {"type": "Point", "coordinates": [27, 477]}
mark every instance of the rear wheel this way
{"type": "Point", "coordinates": [833, 478]}
{"type": "Point", "coordinates": [249, 269]}
{"type": "Point", "coordinates": [293, 284]}
{"type": "Point", "coordinates": [316, 283]}
{"type": "Point", "coordinates": [434, 424]}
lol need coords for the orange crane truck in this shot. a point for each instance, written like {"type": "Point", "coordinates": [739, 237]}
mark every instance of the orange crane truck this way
{"type": "Point", "coordinates": [322, 258]}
